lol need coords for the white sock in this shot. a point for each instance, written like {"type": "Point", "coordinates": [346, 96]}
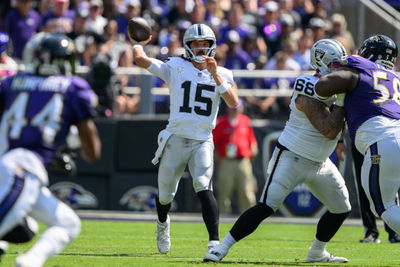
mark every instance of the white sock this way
{"type": "Point", "coordinates": [318, 245]}
{"type": "Point", "coordinates": [229, 240]}
{"type": "Point", "coordinates": [52, 242]}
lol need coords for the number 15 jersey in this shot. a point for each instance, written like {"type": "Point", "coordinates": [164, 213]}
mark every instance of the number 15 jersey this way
{"type": "Point", "coordinates": [299, 135]}
{"type": "Point", "coordinates": [194, 98]}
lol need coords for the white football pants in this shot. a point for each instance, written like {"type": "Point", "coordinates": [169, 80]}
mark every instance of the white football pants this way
{"type": "Point", "coordinates": [22, 194]}
{"type": "Point", "coordinates": [179, 152]}
{"type": "Point", "coordinates": [286, 170]}
{"type": "Point", "coordinates": [380, 177]}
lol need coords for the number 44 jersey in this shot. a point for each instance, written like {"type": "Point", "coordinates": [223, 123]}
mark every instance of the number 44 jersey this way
{"type": "Point", "coordinates": [299, 135]}
{"type": "Point", "coordinates": [194, 98]}
{"type": "Point", "coordinates": [38, 111]}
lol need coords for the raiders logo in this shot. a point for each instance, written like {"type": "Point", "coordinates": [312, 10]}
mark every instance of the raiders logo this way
{"type": "Point", "coordinates": [319, 54]}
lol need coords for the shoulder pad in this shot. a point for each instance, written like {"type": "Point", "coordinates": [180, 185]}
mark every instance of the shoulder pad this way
{"type": "Point", "coordinates": [304, 85]}
{"type": "Point", "coordinates": [358, 62]}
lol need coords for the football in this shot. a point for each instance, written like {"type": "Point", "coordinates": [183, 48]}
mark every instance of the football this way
{"type": "Point", "coordinates": [138, 29]}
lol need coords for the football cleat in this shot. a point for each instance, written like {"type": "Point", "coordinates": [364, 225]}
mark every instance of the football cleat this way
{"type": "Point", "coordinates": [324, 257]}
{"type": "Point", "coordinates": [212, 244]}
{"type": "Point", "coordinates": [370, 239]}
{"type": "Point", "coordinates": [394, 239]}
{"type": "Point", "coordinates": [217, 253]}
{"type": "Point", "coordinates": [163, 239]}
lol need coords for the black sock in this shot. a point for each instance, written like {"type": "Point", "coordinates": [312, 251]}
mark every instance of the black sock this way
{"type": "Point", "coordinates": [162, 210]}
{"type": "Point", "coordinates": [329, 224]}
{"type": "Point", "coordinates": [209, 210]}
{"type": "Point", "coordinates": [249, 220]}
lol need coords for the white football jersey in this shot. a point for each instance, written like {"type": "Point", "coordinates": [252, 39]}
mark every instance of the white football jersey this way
{"type": "Point", "coordinates": [194, 98]}
{"type": "Point", "coordinates": [299, 135]}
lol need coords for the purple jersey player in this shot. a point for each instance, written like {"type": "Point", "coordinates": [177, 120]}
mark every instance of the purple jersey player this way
{"type": "Point", "coordinates": [372, 105]}
{"type": "Point", "coordinates": [38, 109]}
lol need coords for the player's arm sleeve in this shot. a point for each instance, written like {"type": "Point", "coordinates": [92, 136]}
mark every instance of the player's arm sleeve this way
{"type": "Point", "coordinates": [159, 69]}
{"type": "Point", "coordinates": [84, 101]}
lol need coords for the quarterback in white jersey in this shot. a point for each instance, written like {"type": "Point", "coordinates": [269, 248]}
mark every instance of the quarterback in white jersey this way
{"type": "Point", "coordinates": [196, 85]}
{"type": "Point", "coordinates": [302, 156]}
{"type": "Point", "coordinates": [194, 98]}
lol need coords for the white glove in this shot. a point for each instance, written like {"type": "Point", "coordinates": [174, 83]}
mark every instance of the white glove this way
{"type": "Point", "coordinates": [340, 99]}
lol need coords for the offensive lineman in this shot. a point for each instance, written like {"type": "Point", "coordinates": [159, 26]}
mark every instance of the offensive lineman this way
{"type": "Point", "coordinates": [196, 84]}
{"type": "Point", "coordinates": [38, 109]}
{"type": "Point", "coordinates": [302, 156]}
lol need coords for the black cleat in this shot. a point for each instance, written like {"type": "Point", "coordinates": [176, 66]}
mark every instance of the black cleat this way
{"type": "Point", "coordinates": [394, 239]}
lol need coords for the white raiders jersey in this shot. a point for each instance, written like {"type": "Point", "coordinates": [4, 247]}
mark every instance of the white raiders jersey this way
{"type": "Point", "coordinates": [299, 135]}
{"type": "Point", "coordinates": [194, 98]}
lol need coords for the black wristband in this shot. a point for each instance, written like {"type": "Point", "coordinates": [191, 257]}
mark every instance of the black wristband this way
{"type": "Point", "coordinates": [340, 141]}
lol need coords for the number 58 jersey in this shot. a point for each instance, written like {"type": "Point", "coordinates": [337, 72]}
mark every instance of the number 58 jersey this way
{"type": "Point", "coordinates": [38, 111]}
{"type": "Point", "coordinates": [299, 135]}
{"type": "Point", "coordinates": [194, 98]}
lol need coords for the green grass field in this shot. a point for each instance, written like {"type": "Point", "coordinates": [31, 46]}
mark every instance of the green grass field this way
{"type": "Point", "coordinates": [113, 243]}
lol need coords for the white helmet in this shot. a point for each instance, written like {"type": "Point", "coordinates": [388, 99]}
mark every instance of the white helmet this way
{"type": "Point", "coordinates": [199, 32]}
{"type": "Point", "coordinates": [324, 52]}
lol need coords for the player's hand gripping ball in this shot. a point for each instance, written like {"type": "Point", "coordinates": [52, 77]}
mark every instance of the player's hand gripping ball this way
{"type": "Point", "coordinates": [138, 29]}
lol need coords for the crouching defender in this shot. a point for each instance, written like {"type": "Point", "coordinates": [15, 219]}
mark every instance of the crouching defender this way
{"type": "Point", "coordinates": [39, 106]}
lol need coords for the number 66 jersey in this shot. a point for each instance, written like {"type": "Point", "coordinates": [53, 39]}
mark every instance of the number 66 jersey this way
{"type": "Point", "coordinates": [194, 98]}
{"type": "Point", "coordinates": [299, 135]}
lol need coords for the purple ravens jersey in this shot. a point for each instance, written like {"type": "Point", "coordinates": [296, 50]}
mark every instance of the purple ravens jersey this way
{"type": "Point", "coordinates": [38, 111]}
{"type": "Point", "coordinates": [377, 94]}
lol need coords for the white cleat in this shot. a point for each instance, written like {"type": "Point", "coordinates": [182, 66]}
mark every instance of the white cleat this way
{"type": "Point", "coordinates": [217, 253]}
{"type": "Point", "coordinates": [25, 261]}
{"type": "Point", "coordinates": [163, 239]}
{"type": "Point", "coordinates": [324, 257]}
{"type": "Point", "coordinates": [212, 244]}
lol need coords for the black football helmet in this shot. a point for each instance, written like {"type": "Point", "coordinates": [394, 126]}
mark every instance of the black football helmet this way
{"type": "Point", "coordinates": [380, 49]}
{"type": "Point", "coordinates": [50, 54]}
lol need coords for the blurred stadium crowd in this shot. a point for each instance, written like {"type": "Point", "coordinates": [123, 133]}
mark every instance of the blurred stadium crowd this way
{"type": "Point", "coordinates": [251, 35]}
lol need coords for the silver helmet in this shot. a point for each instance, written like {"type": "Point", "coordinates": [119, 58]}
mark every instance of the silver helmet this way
{"type": "Point", "coordinates": [199, 32]}
{"type": "Point", "coordinates": [324, 52]}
